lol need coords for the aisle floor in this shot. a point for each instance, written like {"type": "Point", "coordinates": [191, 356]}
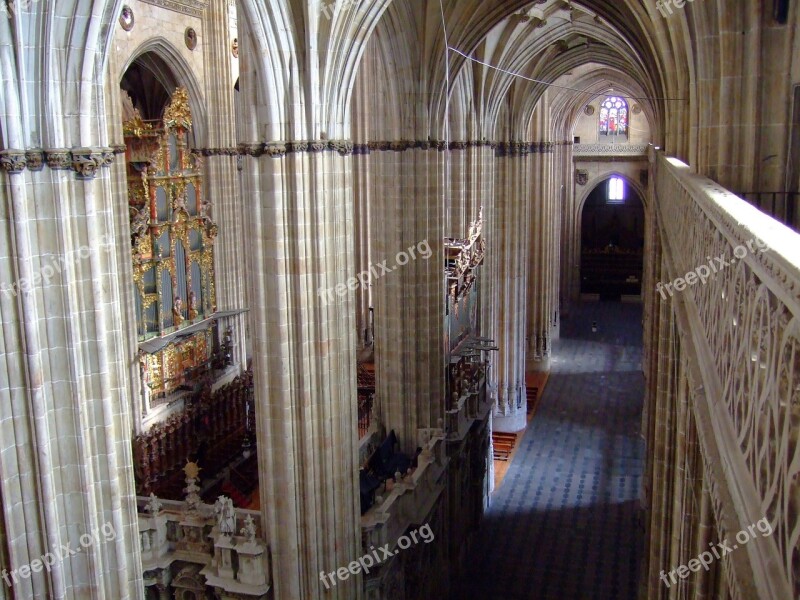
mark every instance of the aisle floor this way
{"type": "Point", "coordinates": [564, 523]}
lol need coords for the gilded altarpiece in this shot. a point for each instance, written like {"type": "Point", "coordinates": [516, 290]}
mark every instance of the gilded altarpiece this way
{"type": "Point", "coordinates": [466, 350]}
{"type": "Point", "coordinates": [172, 238]}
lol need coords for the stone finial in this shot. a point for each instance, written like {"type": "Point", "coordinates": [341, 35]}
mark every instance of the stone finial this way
{"type": "Point", "coordinates": [154, 505]}
{"type": "Point", "coordinates": [192, 470]}
{"type": "Point", "coordinates": [249, 529]}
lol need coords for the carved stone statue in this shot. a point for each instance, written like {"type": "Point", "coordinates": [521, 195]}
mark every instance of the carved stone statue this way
{"type": "Point", "coordinates": [193, 311]}
{"type": "Point", "coordinates": [177, 311]}
{"type": "Point", "coordinates": [140, 220]}
{"type": "Point", "coordinates": [226, 515]}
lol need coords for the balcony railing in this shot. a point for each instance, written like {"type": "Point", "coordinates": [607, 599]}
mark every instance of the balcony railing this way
{"type": "Point", "coordinates": [740, 352]}
{"type": "Point", "coordinates": [784, 206]}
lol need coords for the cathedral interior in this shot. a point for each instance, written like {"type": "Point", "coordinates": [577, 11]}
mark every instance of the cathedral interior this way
{"type": "Point", "coordinates": [399, 299]}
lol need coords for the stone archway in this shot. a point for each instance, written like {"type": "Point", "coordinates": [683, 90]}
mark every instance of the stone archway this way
{"type": "Point", "coordinates": [612, 239]}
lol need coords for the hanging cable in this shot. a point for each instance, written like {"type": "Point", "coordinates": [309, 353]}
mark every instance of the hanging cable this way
{"type": "Point", "coordinates": [447, 170]}
{"type": "Point", "coordinates": [563, 87]}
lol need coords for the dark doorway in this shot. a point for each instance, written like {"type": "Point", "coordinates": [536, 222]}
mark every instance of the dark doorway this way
{"type": "Point", "coordinates": [612, 240]}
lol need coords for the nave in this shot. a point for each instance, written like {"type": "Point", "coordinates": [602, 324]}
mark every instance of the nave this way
{"type": "Point", "coordinates": [564, 522]}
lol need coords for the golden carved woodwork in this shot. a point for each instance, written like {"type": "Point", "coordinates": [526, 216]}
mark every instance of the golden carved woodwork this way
{"type": "Point", "coordinates": [178, 114]}
{"type": "Point", "coordinates": [136, 127]}
{"type": "Point", "coordinates": [164, 371]}
{"type": "Point", "coordinates": [462, 257]}
{"type": "Point", "coordinates": [163, 212]}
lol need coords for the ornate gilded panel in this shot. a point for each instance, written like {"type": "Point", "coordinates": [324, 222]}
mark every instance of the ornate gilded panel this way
{"type": "Point", "coordinates": [172, 238]}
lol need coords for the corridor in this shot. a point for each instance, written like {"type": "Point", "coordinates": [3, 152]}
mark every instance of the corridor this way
{"type": "Point", "coordinates": [563, 523]}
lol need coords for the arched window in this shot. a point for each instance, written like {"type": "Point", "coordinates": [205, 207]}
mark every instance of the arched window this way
{"type": "Point", "coordinates": [616, 191]}
{"type": "Point", "coordinates": [614, 116]}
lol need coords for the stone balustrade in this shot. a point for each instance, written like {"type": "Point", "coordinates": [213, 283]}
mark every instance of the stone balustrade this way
{"type": "Point", "coordinates": [411, 499]}
{"type": "Point", "coordinates": [724, 312]}
{"type": "Point", "coordinates": [234, 565]}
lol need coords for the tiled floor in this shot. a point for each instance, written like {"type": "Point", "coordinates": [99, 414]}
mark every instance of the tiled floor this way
{"type": "Point", "coordinates": [563, 525]}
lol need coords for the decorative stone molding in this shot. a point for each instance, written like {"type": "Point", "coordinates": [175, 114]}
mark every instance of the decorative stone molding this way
{"type": "Point", "coordinates": [34, 160]}
{"type": "Point", "coordinates": [193, 8]}
{"type": "Point", "coordinates": [588, 110]}
{"type": "Point", "coordinates": [276, 149]}
{"type": "Point", "coordinates": [610, 149]}
{"type": "Point", "coordinates": [343, 147]}
{"type": "Point", "coordinates": [58, 158]}
{"type": "Point", "coordinates": [523, 148]}
{"type": "Point", "coordinates": [86, 161]}
{"type": "Point", "coordinates": [12, 161]}
{"type": "Point", "coordinates": [297, 146]}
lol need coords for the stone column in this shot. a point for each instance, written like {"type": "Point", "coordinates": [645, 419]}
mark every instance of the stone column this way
{"type": "Point", "coordinates": [409, 301]}
{"type": "Point", "coordinates": [507, 246]}
{"type": "Point", "coordinates": [301, 233]}
{"type": "Point", "coordinates": [569, 283]}
{"type": "Point", "coordinates": [221, 176]}
{"type": "Point", "coordinates": [661, 446]}
{"type": "Point", "coordinates": [65, 423]}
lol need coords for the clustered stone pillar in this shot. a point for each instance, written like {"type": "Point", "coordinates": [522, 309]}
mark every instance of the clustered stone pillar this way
{"type": "Point", "coordinates": [305, 363]}
{"type": "Point", "coordinates": [65, 462]}
{"type": "Point", "coordinates": [409, 302]}
{"type": "Point", "coordinates": [507, 251]}
{"type": "Point", "coordinates": [221, 177]}
{"type": "Point", "coordinates": [543, 259]}
{"type": "Point", "coordinates": [569, 246]}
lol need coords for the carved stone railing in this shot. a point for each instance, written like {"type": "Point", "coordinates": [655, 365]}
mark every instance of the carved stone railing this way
{"type": "Point", "coordinates": [235, 564]}
{"type": "Point", "coordinates": [410, 500]}
{"type": "Point", "coordinates": [743, 325]}
{"type": "Point", "coordinates": [609, 149]}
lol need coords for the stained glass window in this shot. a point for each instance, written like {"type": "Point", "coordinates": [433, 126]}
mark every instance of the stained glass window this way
{"type": "Point", "coordinates": [614, 116]}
